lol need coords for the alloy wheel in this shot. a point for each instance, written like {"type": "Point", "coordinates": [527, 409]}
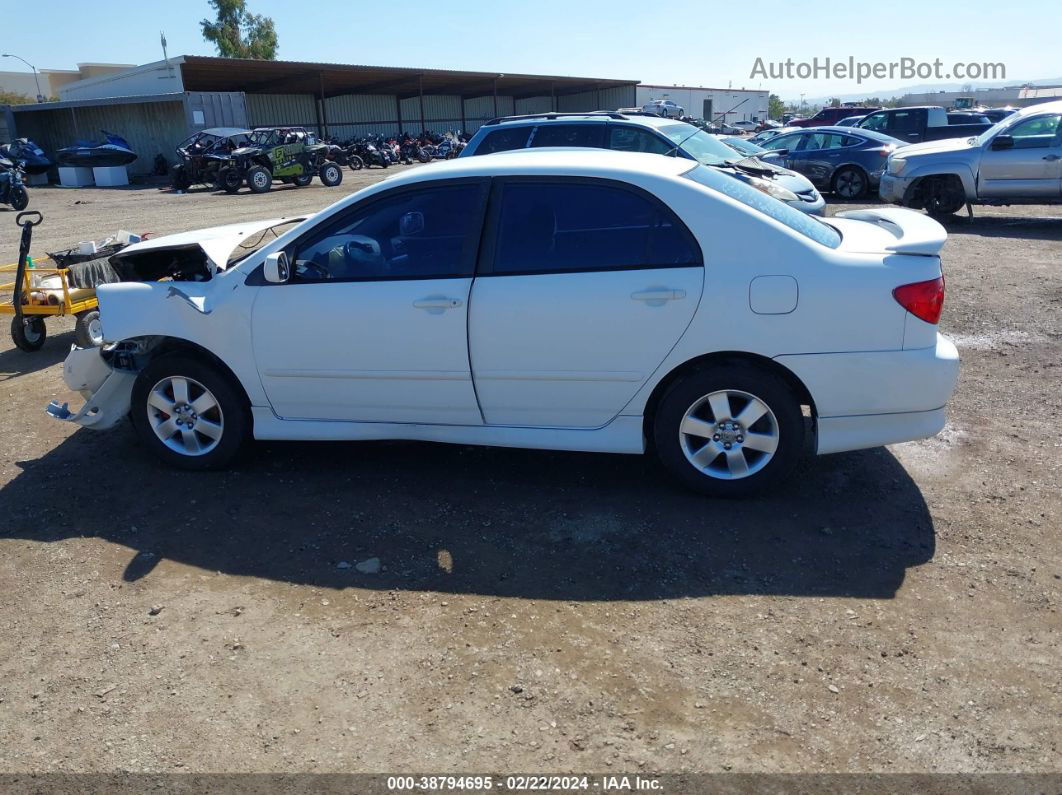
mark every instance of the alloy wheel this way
{"type": "Point", "coordinates": [729, 434]}
{"type": "Point", "coordinates": [185, 415]}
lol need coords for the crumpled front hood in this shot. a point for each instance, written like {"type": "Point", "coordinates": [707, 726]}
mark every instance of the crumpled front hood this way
{"type": "Point", "coordinates": [217, 242]}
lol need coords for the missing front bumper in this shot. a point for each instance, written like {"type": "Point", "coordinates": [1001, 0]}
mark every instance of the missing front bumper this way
{"type": "Point", "coordinates": [108, 392]}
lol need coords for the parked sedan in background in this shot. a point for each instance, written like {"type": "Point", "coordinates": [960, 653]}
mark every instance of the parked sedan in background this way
{"type": "Point", "coordinates": [540, 299]}
{"type": "Point", "coordinates": [665, 108]}
{"type": "Point", "coordinates": [845, 160]}
{"type": "Point", "coordinates": [791, 180]}
{"type": "Point", "coordinates": [850, 121]}
{"type": "Point", "coordinates": [767, 135]}
{"type": "Point", "coordinates": [746, 126]}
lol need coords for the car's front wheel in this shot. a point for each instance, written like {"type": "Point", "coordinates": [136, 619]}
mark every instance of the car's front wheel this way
{"type": "Point", "coordinates": [729, 430]}
{"type": "Point", "coordinates": [943, 196]}
{"type": "Point", "coordinates": [331, 175]}
{"type": "Point", "coordinates": [259, 179]}
{"type": "Point", "coordinates": [189, 413]}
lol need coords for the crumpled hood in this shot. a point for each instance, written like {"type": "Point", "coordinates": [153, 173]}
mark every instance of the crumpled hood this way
{"type": "Point", "coordinates": [217, 242]}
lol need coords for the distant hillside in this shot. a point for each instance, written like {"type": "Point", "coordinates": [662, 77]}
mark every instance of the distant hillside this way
{"type": "Point", "coordinates": [922, 88]}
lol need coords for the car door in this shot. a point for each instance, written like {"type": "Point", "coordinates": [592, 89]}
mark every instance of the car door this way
{"type": "Point", "coordinates": [372, 326]}
{"type": "Point", "coordinates": [584, 287]}
{"type": "Point", "coordinates": [817, 157]}
{"type": "Point", "coordinates": [1030, 167]}
{"type": "Point", "coordinates": [791, 142]}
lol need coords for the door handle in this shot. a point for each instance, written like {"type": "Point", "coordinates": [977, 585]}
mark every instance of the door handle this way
{"type": "Point", "coordinates": [437, 304]}
{"type": "Point", "coordinates": [658, 296]}
{"type": "Point", "coordinates": [1051, 158]}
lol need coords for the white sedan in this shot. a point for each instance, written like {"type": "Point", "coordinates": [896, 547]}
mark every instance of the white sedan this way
{"type": "Point", "coordinates": [561, 299]}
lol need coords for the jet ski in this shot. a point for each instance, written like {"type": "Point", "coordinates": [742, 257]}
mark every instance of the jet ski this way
{"type": "Point", "coordinates": [27, 154]}
{"type": "Point", "coordinates": [113, 151]}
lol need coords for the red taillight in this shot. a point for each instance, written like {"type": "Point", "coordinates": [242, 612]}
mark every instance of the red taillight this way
{"type": "Point", "coordinates": [924, 300]}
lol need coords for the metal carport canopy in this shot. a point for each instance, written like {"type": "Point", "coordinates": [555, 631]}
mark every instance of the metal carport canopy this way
{"type": "Point", "coordinates": [202, 73]}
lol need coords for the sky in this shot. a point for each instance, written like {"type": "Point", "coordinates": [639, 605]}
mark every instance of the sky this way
{"type": "Point", "coordinates": [680, 42]}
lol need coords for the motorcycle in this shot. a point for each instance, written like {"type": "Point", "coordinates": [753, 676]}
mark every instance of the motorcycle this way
{"type": "Point", "coordinates": [12, 191]}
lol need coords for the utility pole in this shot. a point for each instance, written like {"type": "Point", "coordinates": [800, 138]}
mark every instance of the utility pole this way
{"type": "Point", "coordinates": [40, 96]}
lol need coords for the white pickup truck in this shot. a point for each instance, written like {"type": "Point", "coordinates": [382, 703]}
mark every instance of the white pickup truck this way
{"type": "Point", "coordinates": [1017, 161]}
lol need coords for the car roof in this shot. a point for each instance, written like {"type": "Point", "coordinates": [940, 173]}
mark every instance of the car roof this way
{"type": "Point", "coordinates": [873, 135]}
{"type": "Point", "coordinates": [1042, 107]}
{"type": "Point", "coordinates": [648, 120]}
{"type": "Point", "coordinates": [225, 132]}
{"type": "Point", "coordinates": [552, 161]}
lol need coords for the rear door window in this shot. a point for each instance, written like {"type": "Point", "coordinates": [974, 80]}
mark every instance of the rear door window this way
{"type": "Point", "coordinates": [503, 140]}
{"type": "Point", "coordinates": [636, 139]}
{"type": "Point", "coordinates": [569, 226]}
{"type": "Point", "coordinates": [592, 135]}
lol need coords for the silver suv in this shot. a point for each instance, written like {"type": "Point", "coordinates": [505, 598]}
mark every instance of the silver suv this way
{"type": "Point", "coordinates": [634, 132]}
{"type": "Point", "coordinates": [1017, 161]}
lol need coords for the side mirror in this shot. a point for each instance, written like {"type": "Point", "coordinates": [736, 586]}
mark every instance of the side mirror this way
{"type": "Point", "coordinates": [1003, 142]}
{"type": "Point", "coordinates": [412, 223]}
{"type": "Point", "coordinates": [276, 269]}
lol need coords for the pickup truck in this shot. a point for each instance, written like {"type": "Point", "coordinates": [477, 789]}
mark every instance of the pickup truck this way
{"type": "Point", "coordinates": [926, 123]}
{"type": "Point", "coordinates": [1017, 161]}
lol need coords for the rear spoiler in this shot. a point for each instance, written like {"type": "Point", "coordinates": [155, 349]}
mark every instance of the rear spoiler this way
{"type": "Point", "coordinates": [915, 233]}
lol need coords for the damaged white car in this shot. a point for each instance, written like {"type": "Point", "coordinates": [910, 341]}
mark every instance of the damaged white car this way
{"type": "Point", "coordinates": [560, 299]}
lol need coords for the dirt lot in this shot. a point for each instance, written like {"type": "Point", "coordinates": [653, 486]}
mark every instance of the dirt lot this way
{"type": "Point", "coordinates": [889, 610]}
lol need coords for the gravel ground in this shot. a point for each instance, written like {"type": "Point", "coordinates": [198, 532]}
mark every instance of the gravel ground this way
{"type": "Point", "coordinates": [894, 609]}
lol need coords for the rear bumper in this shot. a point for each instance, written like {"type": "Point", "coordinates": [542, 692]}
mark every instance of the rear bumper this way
{"type": "Point", "coordinates": [872, 398]}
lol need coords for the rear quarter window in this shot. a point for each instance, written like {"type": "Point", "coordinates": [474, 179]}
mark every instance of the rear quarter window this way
{"type": "Point", "coordinates": [503, 140]}
{"type": "Point", "coordinates": [799, 222]}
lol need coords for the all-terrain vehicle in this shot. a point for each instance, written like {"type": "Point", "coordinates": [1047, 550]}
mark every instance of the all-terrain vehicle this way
{"type": "Point", "coordinates": [290, 154]}
{"type": "Point", "coordinates": [201, 156]}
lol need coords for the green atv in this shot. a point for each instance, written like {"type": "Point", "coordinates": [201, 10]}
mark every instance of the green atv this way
{"type": "Point", "coordinates": [290, 154]}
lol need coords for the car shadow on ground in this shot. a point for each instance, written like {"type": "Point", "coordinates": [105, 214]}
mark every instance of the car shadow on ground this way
{"type": "Point", "coordinates": [491, 521]}
{"type": "Point", "coordinates": [1021, 227]}
{"type": "Point", "coordinates": [15, 362]}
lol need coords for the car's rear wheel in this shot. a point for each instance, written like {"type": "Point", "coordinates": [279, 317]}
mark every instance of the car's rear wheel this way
{"type": "Point", "coordinates": [943, 196]}
{"type": "Point", "coordinates": [331, 174]}
{"type": "Point", "coordinates": [259, 179]}
{"type": "Point", "coordinates": [729, 430]}
{"type": "Point", "coordinates": [189, 413]}
{"type": "Point", "coordinates": [850, 182]}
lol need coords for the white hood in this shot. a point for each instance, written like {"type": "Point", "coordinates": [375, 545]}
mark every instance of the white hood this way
{"type": "Point", "coordinates": [889, 230]}
{"type": "Point", "coordinates": [217, 242]}
{"type": "Point", "coordinates": [933, 147]}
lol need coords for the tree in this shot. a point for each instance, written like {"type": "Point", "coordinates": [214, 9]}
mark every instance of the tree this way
{"type": "Point", "coordinates": [835, 102]}
{"type": "Point", "coordinates": [237, 33]}
{"type": "Point", "coordinates": [14, 98]}
{"type": "Point", "coordinates": [775, 107]}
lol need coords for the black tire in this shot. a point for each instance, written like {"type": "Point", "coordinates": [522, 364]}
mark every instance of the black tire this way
{"type": "Point", "coordinates": [231, 412]}
{"type": "Point", "coordinates": [356, 163]}
{"type": "Point", "coordinates": [330, 174]}
{"type": "Point", "coordinates": [302, 180]}
{"type": "Point", "coordinates": [943, 196]}
{"type": "Point", "coordinates": [87, 330]}
{"type": "Point", "coordinates": [259, 179]}
{"type": "Point", "coordinates": [29, 333]}
{"type": "Point", "coordinates": [784, 423]}
{"type": "Point", "coordinates": [229, 180]}
{"type": "Point", "coordinates": [850, 182]}
{"type": "Point", "coordinates": [179, 178]}
{"type": "Point", "coordinates": [19, 199]}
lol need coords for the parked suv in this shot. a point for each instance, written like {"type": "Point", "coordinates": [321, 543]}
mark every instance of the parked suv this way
{"type": "Point", "coordinates": [1017, 161]}
{"type": "Point", "coordinates": [638, 133]}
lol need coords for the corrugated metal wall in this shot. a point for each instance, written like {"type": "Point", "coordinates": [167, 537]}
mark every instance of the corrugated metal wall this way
{"type": "Point", "coordinates": [149, 127]}
{"type": "Point", "coordinates": [274, 110]}
{"type": "Point", "coordinates": [481, 109]}
{"type": "Point", "coordinates": [605, 99]}
{"type": "Point", "coordinates": [355, 115]}
{"type": "Point", "coordinates": [534, 105]}
{"type": "Point", "coordinates": [217, 109]}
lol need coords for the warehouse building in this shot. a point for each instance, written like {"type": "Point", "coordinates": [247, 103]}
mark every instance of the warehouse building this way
{"type": "Point", "coordinates": [157, 105]}
{"type": "Point", "coordinates": [1006, 96]}
{"type": "Point", "coordinates": [714, 104]}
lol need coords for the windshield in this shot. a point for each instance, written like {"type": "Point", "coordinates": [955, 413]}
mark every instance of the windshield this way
{"type": "Point", "coordinates": [990, 133]}
{"type": "Point", "coordinates": [261, 137]}
{"type": "Point", "coordinates": [698, 144]}
{"type": "Point", "coordinates": [805, 224]}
